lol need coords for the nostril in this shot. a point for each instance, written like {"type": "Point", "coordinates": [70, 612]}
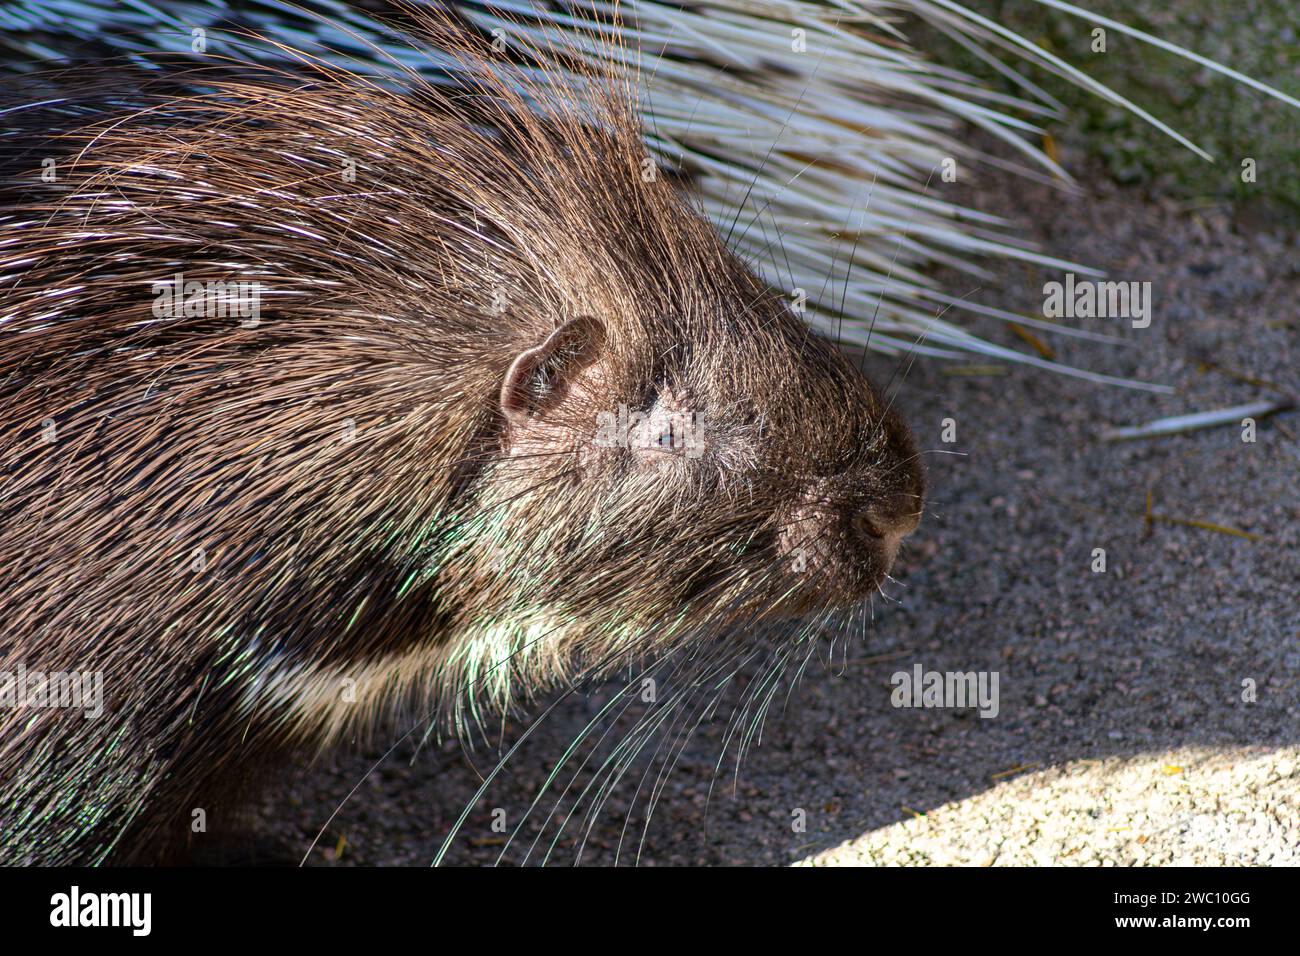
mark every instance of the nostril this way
{"type": "Point", "coordinates": [867, 525]}
{"type": "Point", "coordinates": [887, 522]}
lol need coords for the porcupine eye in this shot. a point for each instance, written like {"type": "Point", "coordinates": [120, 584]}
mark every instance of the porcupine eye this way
{"type": "Point", "coordinates": [670, 426]}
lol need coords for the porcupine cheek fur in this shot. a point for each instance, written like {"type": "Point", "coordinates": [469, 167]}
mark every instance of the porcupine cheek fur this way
{"type": "Point", "coordinates": [571, 551]}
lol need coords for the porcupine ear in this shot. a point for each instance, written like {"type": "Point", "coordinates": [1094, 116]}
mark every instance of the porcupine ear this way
{"type": "Point", "coordinates": [539, 377]}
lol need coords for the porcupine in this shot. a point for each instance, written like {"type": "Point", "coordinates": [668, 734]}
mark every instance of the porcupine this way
{"type": "Point", "coordinates": [318, 399]}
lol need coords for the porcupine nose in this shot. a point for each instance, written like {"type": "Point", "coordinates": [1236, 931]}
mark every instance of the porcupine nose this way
{"type": "Point", "coordinates": [884, 524]}
{"type": "Point", "coordinates": [838, 557]}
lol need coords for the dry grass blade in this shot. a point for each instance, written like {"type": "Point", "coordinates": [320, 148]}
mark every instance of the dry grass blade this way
{"type": "Point", "coordinates": [1198, 420]}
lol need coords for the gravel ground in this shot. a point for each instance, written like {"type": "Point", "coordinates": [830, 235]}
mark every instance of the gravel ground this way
{"type": "Point", "coordinates": [1123, 734]}
{"type": "Point", "coordinates": [1188, 807]}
